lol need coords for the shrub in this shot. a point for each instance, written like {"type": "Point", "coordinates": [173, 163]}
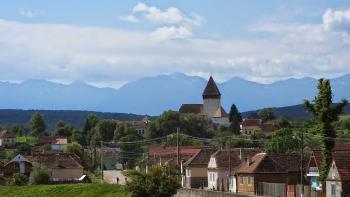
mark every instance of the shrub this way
{"type": "Point", "coordinates": [19, 179]}
{"type": "Point", "coordinates": [2, 180]}
{"type": "Point", "coordinates": [39, 175]}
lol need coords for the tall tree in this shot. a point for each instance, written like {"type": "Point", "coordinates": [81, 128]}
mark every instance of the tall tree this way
{"type": "Point", "coordinates": [62, 129]}
{"type": "Point", "coordinates": [90, 122]}
{"type": "Point", "coordinates": [106, 129]}
{"type": "Point", "coordinates": [266, 114]}
{"type": "Point", "coordinates": [37, 124]}
{"type": "Point", "coordinates": [325, 113]}
{"type": "Point", "coordinates": [235, 119]}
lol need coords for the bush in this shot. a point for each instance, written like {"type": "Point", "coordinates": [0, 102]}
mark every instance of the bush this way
{"type": "Point", "coordinates": [39, 175]}
{"type": "Point", "coordinates": [19, 179]}
{"type": "Point", "coordinates": [2, 180]}
{"type": "Point", "coordinates": [74, 147]}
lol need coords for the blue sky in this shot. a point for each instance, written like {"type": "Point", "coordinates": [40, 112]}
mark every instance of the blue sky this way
{"type": "Point", "coordinates": [107, 43]}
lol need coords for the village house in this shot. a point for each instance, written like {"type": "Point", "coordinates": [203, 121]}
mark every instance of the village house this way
{"type": "Point", "coordinates": [161, 156]}
{"type": "Point", "coordinates": [7, 139]}
{"type": "Point", "coordinates": [254, 123]}
{"type": "Point", "coordinates": [261, 172]}
{"type": "Point", "coordinates": [57, 143]}
{"type": "Point", "coordinates": [338, 179]}
{"type": "Point", "coordinates": [211, 107]}
{"type": "Point", "coordinates": [63, 167]}
{"type": "Point", "coordinates": [219, 177]}
{"type": "Point", "coordinates": [195, 168]}
{"type": "Point", "coordinates": [313, 171]}
{"type": "Point", "coordinates": [141, 126]}
{"type": "Point", "coordinates": [19, 164]}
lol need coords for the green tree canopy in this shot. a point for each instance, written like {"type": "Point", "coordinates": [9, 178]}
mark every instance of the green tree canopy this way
{"type": "Point", "coordinates": [87, 133]}
{"type": "Point", "coordinates": [266, 114]}
{"type": "Point", "coordinates": [158, 182]}
{"type": "Point", "coordinates": [39, 175]}
{"type": "Point", "coordinates": [74, 147]}
{"type": "Point", "coordinates": [325, 114]}
{"type": "Point", "coordinates": [37, 124]}
{"type": "Point", "coordinates": [235, 119]}
{"type": "Point", "coordinates": [283, 141]}
{"type": "Point", "coordinates": [62, 129]}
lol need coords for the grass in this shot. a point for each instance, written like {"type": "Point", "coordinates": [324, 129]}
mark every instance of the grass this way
{"type": "Point", "coordinates": [26, 139]}
{"type": "Point", "coordinates": [65, 190]}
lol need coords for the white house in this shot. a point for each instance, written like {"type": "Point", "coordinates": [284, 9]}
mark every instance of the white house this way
{"type": "Point", "coordinates": [7, 139]}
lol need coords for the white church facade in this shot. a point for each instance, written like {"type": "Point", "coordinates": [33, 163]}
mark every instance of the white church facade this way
{"type": "Point", "coordinates": [211, 107]}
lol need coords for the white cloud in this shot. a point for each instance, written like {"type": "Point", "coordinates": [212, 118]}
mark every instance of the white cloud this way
{"type": "Point", "coordinates": [107, 56]}
{"type": "Point", "coordinates": [27, 13]}
{"type": "Point", "coordinates": [170, 33]}
{"type": "Point", "coordinates": [174, 23]}
{"type": "Point", "coordinates": [337, 20]}
{"type": "Point", "coordinates": [129, 18]}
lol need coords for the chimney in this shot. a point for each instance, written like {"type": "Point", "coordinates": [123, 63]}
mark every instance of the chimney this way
{"type": "Point", "coordinates": [240, 154]}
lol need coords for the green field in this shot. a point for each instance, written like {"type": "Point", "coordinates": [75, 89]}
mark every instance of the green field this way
{"type": "Point", "coordinates": [66, 190]}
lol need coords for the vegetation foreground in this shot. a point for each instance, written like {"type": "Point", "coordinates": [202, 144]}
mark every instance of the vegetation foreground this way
{"type": "Point", "coordinates": [66, 190]}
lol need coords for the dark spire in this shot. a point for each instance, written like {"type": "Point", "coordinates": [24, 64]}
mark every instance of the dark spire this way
{"type": "Point", "coordinates": [211, 90]}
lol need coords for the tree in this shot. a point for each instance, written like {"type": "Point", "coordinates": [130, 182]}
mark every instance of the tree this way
{"type": "Point", "coordinates": [90, 123]}
{"type": "Point", "coordinates": [39, 175]}
{"type": "Point", "coordinates": [284, 122]}
{"type": "Point", "coordinates": [62, 129]}
{"type": "Point", "coordinates": [106, 129]}
{"type": "Point", "coordinates": [17, 129]}
{"type": "Point", "coordinates": [266, 114]}
{"type": "Point", "coordinates": [158, 182]}
{"type": "Point", "coordinates": [74, 148]}
{"type": "Point", "coordinates": [283, 141]}
{"type": "Point", "coordinates": [325, 114]}
{"type": "Point", "coordinates": [19, 179]}
{"type": "Point", "coordinates": [235, 119]}
{"type": "Point", "coordinates": [77, 136]}
{"type": "Point", "coordinates": [37, 124]}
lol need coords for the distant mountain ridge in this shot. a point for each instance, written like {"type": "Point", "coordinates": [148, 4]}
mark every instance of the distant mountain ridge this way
{"type": "Point", "coordinates": [153, 95]}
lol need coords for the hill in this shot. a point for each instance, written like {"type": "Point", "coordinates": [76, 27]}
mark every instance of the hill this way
{"type": "Point", "coordinates": [72, 117]}
{"type": "Point", "coordinates": [153, 95]}
{"type": "Point", "coordinates": [294, 112]}
{"type": "Point", "coordinates": [67, 190]}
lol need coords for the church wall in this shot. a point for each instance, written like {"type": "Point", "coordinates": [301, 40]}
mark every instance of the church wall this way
{"type": "Point", "coordinates": [210, 105]}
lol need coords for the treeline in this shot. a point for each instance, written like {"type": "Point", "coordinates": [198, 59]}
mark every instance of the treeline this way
{"type": "Point", "coordinates": [72, 117]}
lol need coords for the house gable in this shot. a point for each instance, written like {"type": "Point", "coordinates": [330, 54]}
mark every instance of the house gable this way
{"type": "Point", "coordinates": [212, 163]}
{"type": "Point", "coordinates": [19, 158]}
{"type": "Point", "coordinates": [333, 173]}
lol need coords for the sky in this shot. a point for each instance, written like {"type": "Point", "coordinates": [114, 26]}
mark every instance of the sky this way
{"type": "Point", "coordinates": [108, 43]}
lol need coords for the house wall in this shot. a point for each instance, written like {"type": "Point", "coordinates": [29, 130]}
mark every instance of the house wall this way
{"type": "Point", "coordinates": [66, 174]}
{"type": "Point", "coordinates": [59, 147]}
{"type": "Point", "coordinates": [13, 167]}
{"type": "Point", "coordinates": [221, 179]}
{"type": "Point", "coordinates": [221, 121]}
{"type": "Point", "coordinates": [338, 188]}
{"type": "Point", "coordinates": [7, 141]}
{"type": "Point", "coordinates": [210, 105]}
{"type": "Point", "coordinates": [196, 176]}
{"type": "Point", "coordinates": [244, 187]}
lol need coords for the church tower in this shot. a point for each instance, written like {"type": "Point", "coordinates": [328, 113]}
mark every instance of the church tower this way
{"type": "Point", "coordinates": [211, 98]}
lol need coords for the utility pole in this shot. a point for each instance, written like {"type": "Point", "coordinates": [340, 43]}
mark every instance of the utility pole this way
{"type": "Point", "coordinates": [101, 162]}
{"type": "Point", "coordinates": [301, 165]}
{"type": "Point", "coordinates": [178, 152]}
{"type": "Point", "coordinates": [229, 164]}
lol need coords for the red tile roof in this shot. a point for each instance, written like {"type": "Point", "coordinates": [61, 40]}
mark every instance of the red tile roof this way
{"type": "Point", "coordinates": [252, 122]}
{"type": "Point", "coordinates": [211, 90]}
{"type": "Point", "coordinates": [57, 160]}
{"type": "Point", "coordinates": [341, 159]}
{"type": "Point", "coordinates": [51, 140]}
{"type": "Point", "coordinates": [6, 134]}
{"type": "Point", "coordinates": [201, 158]}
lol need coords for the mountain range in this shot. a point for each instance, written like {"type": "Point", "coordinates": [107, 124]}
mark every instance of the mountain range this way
{"type": "Point", "coordinates": [153, 95]}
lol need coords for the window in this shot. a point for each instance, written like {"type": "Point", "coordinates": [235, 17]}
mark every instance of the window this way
{"type": "Point", "coordinates": [250, 180]}
{"type": "Point", "coordinates": [241, 180]}
{"type": "Point", "coordinates": [333, 189]}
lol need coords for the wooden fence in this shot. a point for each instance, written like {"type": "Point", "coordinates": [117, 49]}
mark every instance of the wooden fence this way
{"type": "Point", "coordinates": [270, 189]}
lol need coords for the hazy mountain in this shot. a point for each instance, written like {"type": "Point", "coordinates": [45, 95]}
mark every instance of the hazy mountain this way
{"type": "Point", "coordinates": [153, 95]}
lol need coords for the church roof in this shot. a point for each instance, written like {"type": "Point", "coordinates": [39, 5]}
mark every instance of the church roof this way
{"type": "Point", "coordinates": [191, 108]}
{"type": "Point", "coordinates": [211, 90]}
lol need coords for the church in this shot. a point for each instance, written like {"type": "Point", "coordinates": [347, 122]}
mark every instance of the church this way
{"type": "Point", "coordinates": [211, 107]}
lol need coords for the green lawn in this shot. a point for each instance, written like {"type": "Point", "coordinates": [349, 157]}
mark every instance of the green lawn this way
{"type": "Point", "coordinates": [65, 190]}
